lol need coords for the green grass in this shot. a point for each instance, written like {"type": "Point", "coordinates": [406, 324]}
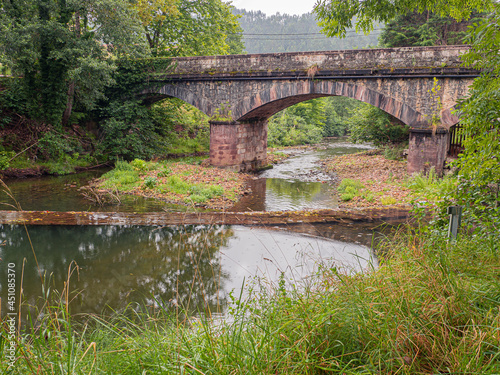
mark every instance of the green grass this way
{"type": "Point", "coordinates": [121, 179]}
{"type": "Point", "coordinates": [431, 307]}
{"type": "Point", "coordinates": [127, 177]}
{"type": "Point", "coordinates": [430, 186]}
{"type": "Point", "coordinates": [349, 189]}
{"type": "Point", "coordinates": [182, 146]}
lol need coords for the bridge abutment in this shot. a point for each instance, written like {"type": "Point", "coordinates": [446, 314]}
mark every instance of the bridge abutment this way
{"type": "Point", "coordinates": [427, 149]}
{"type": "Point", "coordinates": [239, 146]}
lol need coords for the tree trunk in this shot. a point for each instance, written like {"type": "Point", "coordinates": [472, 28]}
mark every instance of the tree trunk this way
{"type": "Point", "coordinates": [71, 88]}
{"type": "Point", "coordinates": [69, 105]}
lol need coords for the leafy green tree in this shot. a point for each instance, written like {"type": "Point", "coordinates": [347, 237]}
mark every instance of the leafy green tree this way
{"type": "Point", "coordinates": [338, 111]}
{"type": "Point", "coordinates": [336, 16]}
{"type": "Point", "coordinates": [298, 124]}
{"type": "Point", "coordinates": [58, 49]}
{"type": "Point", "coordinates": [190, 28]}
{"type": "Point", "coordinates": [370, 124]}
{"type": "Point", "coordinates": [480, 118]}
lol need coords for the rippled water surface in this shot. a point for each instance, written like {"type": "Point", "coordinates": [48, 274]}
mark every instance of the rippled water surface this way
{"type": "Point", "coordinates": [298, 183]}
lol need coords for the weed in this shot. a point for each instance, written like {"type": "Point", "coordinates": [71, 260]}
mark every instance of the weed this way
{"type": "Point", "coordinates": [395, 152]}
{"type": "Point", "coordinates": [165, 173]}
{"type": "Point", "coordinates": [367, 195]}
{"type": "Point", "coordinates": [150, 182]}
{"type": "Point", "coordinates": [349, 188]}
{"type": "Point", "coordinates": [387, 201]}
{"type": "Point", "coordinates": [140, 165]}
{"type": "Point", "coordinates": [430, 186]}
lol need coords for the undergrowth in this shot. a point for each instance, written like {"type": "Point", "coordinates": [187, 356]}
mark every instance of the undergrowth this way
{"type": "Point", "coordinates": [182, 181]}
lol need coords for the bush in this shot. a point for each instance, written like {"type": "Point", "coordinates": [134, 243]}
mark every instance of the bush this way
{"type": "Point", "coordinates": [129, 133]}
{"type": "Point", "coordinates": [370, 124]}
{"type": "Point", "coordinates": [5, 158]}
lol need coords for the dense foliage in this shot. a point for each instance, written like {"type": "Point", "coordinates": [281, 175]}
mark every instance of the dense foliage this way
{"type": "Point", "coordinates": [337, 16]}
{"type": "Point", "coordinates": [190, 28]}
{"type": "Point", "coordinates": [57, 47]}
{"type": "Point", "coordinates": [308, 122]}
{"type": "Point", "coordinates": [424, 29]}
{"type": "Point", "coordinates": [479, 164]}
{"type": "Point", "coordinates": [370, 124]}
{"type": "Point", "coordinates": [75, 60]}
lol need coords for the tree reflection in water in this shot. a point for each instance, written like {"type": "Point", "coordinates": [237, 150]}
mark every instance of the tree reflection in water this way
{"type": "Point", "coordinates": [119, 264]}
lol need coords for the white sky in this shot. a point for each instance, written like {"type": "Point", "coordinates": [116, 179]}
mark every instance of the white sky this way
{"type": "Point", "coordinates": [271, 7]}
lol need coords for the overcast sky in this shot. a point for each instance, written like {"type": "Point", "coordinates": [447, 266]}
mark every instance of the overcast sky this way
{"type": "Point", "coordinates": [273, 6]}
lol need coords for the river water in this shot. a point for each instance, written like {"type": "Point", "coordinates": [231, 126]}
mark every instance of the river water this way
{"type": "Point", "coordinates": [195, 267]}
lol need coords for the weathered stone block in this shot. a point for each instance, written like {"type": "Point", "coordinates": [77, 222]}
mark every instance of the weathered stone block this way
{"type": "Point", "coordinates": [427, 149]}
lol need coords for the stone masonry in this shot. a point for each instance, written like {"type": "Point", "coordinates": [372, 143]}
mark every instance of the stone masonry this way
{"type": "Point", "coordinates": [245, 90]}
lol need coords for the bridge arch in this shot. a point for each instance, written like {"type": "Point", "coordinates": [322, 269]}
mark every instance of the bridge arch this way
{"type": "Point", "coordinates": [262, 103]}
{"type": "Point", "coordinates": [265, 103]}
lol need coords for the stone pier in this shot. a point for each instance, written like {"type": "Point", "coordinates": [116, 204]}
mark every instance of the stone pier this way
{"type": "Point", "coordinates": [239, 146]}
{"type": "Point", "coordinates": [427, 149]}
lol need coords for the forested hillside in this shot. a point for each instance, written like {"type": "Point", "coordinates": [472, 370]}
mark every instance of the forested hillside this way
{"type": "Point", "coordinates": [292, 33]}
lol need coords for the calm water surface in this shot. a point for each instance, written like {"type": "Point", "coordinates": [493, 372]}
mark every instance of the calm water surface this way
{"type": "Point", "coordinates": [192, 266]}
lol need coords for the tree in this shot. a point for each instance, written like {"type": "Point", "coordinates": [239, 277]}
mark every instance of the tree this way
{"type": "Point", "coordinates": [338, 111]}
{"type": "Point", "coordinates": [480, 118]}
{"type": "Point", "coordinates": [190, 28]}
{"type": "Point", "coordinates": [370, 124]}
{"type": "Point", "coordinates": [58, 47]}
{"type": "Point", "coordinates": [336, 16]}
{"type": "Point", "coordinates": [298, 124]}
{"type": "Point", "coordinates": [424, 29]}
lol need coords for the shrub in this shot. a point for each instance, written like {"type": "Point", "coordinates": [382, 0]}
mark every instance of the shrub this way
{"type": "Point", "coordinates": [139, 165]}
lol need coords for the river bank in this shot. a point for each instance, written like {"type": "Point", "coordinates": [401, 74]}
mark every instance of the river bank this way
{"type": "Point", "coordinates": [371, 181]}
{"type": "Point", "coordinates": [376, 181]}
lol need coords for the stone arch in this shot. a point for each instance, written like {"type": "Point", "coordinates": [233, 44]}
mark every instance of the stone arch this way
{"type": "Point", "coordinates": [153, 95]}
{"type": "Point", "coordinates": [281, 95]}
{"type": "Point", "coordinates": [448, 118]}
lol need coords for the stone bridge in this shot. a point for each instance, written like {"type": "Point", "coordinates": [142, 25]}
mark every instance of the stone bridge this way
{"type": "Point", "coordinates": [241, 92]}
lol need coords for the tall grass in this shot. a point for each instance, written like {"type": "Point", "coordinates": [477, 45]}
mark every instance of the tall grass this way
{"type": "Point", "coordinates": [430, 186]}
{"type": "Point", "coordinates": [431, 307]}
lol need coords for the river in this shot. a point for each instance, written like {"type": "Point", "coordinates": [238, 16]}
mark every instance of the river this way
{"type": "Point", "coordinates": [195, 267]}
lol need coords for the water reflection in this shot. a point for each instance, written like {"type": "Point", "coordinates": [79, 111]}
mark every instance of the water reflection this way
{"type": "Point", "coordinates": [191, 266]}
{"type": "Point", "coordinates": [296, 184]}
{"type": "Point", "coordinates": [119, 265]}
{"type": "Point", "coordinates": [61, 193]}
{"type": "Point", "coordinates": [299, 182]}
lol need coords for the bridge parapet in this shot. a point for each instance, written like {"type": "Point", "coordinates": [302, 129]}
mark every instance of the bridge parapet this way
{"type": "Point", "coordinates": [405, 60]}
